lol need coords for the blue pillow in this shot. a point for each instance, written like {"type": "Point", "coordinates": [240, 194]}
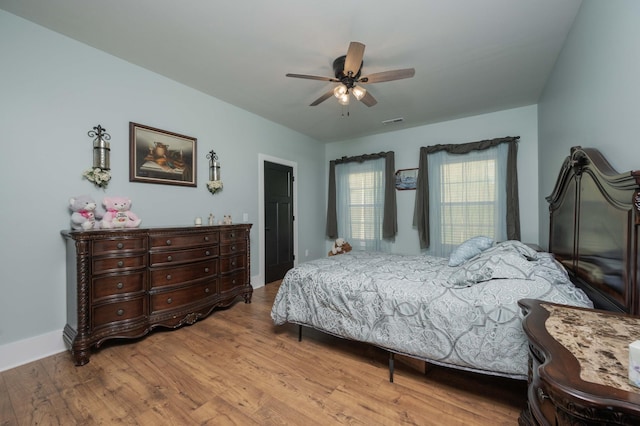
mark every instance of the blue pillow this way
{"type": "Point", "coordinates": [469, 249]}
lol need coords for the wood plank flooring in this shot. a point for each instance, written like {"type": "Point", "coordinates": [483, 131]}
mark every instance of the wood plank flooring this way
{"type": "Point", "coordinates": [236, 368]}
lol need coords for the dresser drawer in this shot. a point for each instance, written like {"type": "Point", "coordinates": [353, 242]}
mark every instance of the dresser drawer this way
{"type": "Point", "coordinates": [541, 406]}
{"type": "Point", "coordinates": [172, 241]}
{"type": "Point", "coordinates": [121, 263]}
{"type": "Point", "coordinates": [229, 235]}
{"type": "Point", "coordinates": [162, 277]}
{"type": "Point", "coordinates": [232, 281]}
{"type": "Point", "coordinates": [236, 247]}
{"type": "Point", "coordinates": [118, 311]}
{"type": "Point", "coordinates": [114, 285]}
{"type": "Point", "coordinates": [233, 263]}
{"type": "Point", "coordinates": [166, 258]}
{"type": "Point", "coordinates": [183, 296]}
{"type": "Point", "coordinates": [119, 245]}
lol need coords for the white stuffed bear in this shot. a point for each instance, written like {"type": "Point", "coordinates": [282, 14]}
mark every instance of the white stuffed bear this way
{"type": "Point", "coordinates": [85, 214]}
{"type": "Point", "coordinates": [340, 246]}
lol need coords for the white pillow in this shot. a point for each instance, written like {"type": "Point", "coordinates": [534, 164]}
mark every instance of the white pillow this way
{"type": "Point", "coordinates": [500, 266]}
{"type": "Point", "coordinates": [469, 249]}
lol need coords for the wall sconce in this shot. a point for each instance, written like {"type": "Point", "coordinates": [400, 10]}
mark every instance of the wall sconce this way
{"type": "Point", "coordinates": [99, 174]}
{"type": "Point", "coordinates": [101, 149]}
{"type": "Point", "coordinates": [215, 181]}
{"type": "Point", "coordinates": [214, 166]}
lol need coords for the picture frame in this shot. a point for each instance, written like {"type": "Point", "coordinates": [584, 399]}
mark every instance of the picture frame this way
{"type": "Point", "coordinates": [406, 179]}
{"type": "Point", "coordinates": [161, 157]}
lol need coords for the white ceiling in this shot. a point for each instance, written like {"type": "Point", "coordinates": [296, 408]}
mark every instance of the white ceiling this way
{"type": "Point", "coordinates": [470, 56]}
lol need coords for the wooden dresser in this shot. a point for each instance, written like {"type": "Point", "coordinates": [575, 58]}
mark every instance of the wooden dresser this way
{"type": "Point", "coordinates": [578, 366]}
{"type": "Point", "coordinates": [122, 283]}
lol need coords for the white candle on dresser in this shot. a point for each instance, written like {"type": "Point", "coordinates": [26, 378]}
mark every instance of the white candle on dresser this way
{"type": "Point", "coordinates": [634, 363]}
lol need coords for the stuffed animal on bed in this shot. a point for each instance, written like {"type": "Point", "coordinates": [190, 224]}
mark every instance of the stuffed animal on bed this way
{"type": "Point", "coordinates": [118, 214]}
{"type": "Point", "coordinates": [340, 246]}
{"type": "Point", "coordinates": [85, 213]}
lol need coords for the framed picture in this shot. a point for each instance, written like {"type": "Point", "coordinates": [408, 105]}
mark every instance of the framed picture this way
{"type": "Point", "coordinates": [406, 179]}
{"type": "Point", "coordinates": [158, 156]}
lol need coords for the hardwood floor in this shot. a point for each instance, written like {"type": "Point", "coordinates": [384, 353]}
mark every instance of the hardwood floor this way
{"type": "Point", "coordinates": [236, 368]}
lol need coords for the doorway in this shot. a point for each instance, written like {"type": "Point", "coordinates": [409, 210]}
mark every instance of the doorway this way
{"type": "Point", "coordinates": [278, 220]}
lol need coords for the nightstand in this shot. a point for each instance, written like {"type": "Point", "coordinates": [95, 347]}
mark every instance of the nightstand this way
{"type": "Point", "coordinates": [578, 366]}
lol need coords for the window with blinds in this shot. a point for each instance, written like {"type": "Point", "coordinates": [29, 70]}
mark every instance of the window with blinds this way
{"type": "Point", "coordinates": [363, 206]}
{"type": "Point", "coordinates": [360, 203]}
{"type": "Point", "coordinates": [469, 200]}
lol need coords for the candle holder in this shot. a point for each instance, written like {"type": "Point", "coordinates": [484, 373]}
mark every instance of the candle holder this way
{"type": "Point", "coordinates": [99, 174]}
{"type": "Point", "coordinates": [215, 182]}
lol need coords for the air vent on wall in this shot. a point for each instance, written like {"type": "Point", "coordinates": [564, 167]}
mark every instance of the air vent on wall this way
{"type": "Point", "coordinates": [393, 121]}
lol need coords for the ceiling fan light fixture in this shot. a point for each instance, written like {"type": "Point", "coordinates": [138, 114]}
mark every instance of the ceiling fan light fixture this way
{"type": "Point", "coordinates": [344, 99]}
{"type": "Point", "coordinates": [358, 92]}
{"type": "Point", "coordinates": [340, 90]}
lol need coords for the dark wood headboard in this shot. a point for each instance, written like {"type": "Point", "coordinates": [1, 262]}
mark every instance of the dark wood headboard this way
{"type": "Point", "coordinates": [594, 220]}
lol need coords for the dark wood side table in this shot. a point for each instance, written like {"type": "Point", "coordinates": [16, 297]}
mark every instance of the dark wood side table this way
{"type": "Point", "coordinates": [578, 366]}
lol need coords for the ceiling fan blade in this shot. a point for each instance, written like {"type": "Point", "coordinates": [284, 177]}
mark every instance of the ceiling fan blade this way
{"type": "Point", "coordinates": [388, 76]}
{"type": "Point", "coordinates": [353, 61]}
{"type": "Point", "coordinates": [368, 100]}
{"type": "Point", "coordinates": [322, 98]}
{"type": "Point", "coordinates": [313, 77]}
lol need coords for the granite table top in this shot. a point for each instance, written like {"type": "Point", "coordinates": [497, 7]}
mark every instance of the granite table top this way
{"type": "Point", "coordinates": [599, 341]}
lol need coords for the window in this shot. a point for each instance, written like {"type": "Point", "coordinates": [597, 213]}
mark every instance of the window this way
{"type": "Point", "coordinates": [360, 203]}
{"type": "Point", "coordinates": [467, 197]}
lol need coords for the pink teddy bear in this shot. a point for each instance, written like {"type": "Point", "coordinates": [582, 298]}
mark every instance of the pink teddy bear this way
{"type": "Point", "coordinates": [118, 214]}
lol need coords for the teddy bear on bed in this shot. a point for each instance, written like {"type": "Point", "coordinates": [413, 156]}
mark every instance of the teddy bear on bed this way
{"type": "Point", "coordinates": [340, 246]}
{"type": "Point", "coordinates": [118, 214]}
{"type": "Point", "coordinates": [86, 213]}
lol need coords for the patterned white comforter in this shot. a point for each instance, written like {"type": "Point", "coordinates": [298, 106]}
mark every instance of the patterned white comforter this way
{"type": "Point", "coordinates": [464, 317]}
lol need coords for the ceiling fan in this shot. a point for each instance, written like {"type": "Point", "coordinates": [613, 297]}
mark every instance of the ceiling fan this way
{"type": "Point", "coordinates": [347, 70]}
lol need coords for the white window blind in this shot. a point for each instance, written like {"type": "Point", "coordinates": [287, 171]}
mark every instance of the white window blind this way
{"type": "Point", "coordinates": [360, 203]}
{"type": "Point", "coordinates": [467, 197]}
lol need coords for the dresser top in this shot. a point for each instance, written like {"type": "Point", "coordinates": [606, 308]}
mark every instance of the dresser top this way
{"type": "Point", "coordinates": [70, 233]}
{"type": "Point", "coordinates": [599, 341]}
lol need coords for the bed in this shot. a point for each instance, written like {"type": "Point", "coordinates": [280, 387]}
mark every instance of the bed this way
{"type": "Point", "coordinates": [462, 311]}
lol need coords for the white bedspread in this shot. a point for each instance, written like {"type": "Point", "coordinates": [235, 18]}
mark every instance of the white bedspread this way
{"type": "Point", "coordinates": [465, 317]}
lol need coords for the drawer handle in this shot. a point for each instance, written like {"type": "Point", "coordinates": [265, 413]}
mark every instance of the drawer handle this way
{"type": "Point", "coordinates": [119, 245]}
{"type": "Point", "coordinates": [233, 281]}
{"type": "Point", "coordinates": [169, 258]}
{"type": "Point", "coordinates": [206, 290]}
{"type": "Point", "coordinates": [120, 312]}
{"type": "Point", "coordinates": [120, 286]}
{"type": "Point", "coordinates": [206, 269]}
{"type": "Point", "coordinates": [541, 395]}
{"type": "Point", "coordinates": [233, 248]}
{"type": "Point", "coordinates": [233, 263]}
{"type": "Point", "coordinates": [168, 277]}
{"type": "Point", "coordinates": [120, 264]}
{"type": "Point", "coordinates": [168, 242]}
{"type": "Point", "coordinates": [169, 300]}
{"type": "Point", "coordinates": [232, 235]}
{"type": "Point", "coordinates": [206, 238]}
{"type": "Point", "coordinates": [207, 253]}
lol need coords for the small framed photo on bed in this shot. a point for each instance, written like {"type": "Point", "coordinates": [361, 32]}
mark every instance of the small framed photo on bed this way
{"type": "Point", "coordinates": [159, 156]}
{"type": "Point", "coordinates": [406, 179]}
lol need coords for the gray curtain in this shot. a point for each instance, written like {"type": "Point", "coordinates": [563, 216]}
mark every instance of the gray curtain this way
{"type": "Point", "coordinates": [390, 215]}
{"type": "Point", "coordinates": [421, 209]}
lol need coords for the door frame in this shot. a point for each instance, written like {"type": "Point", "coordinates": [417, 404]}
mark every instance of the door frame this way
{"type": "Point", "coordinates": [261, 239]}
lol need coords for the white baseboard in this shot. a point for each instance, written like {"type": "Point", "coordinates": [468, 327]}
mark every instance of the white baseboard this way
{"type": "Point", "coordinates": [257, 281]}
{"type": "Point", "coordinates": [34, 348]}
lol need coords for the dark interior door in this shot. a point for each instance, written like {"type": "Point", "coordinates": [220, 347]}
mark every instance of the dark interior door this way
{"type": "Point", "coordinates": [278, 211]}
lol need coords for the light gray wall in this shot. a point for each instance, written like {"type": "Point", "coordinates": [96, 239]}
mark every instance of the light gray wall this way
{"type": "Point", "coordinates": [52, 91]}
{"type": "Point", "coordinates": [406, 145]}
{"type": "Point", "coordinates": [592, 98]}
